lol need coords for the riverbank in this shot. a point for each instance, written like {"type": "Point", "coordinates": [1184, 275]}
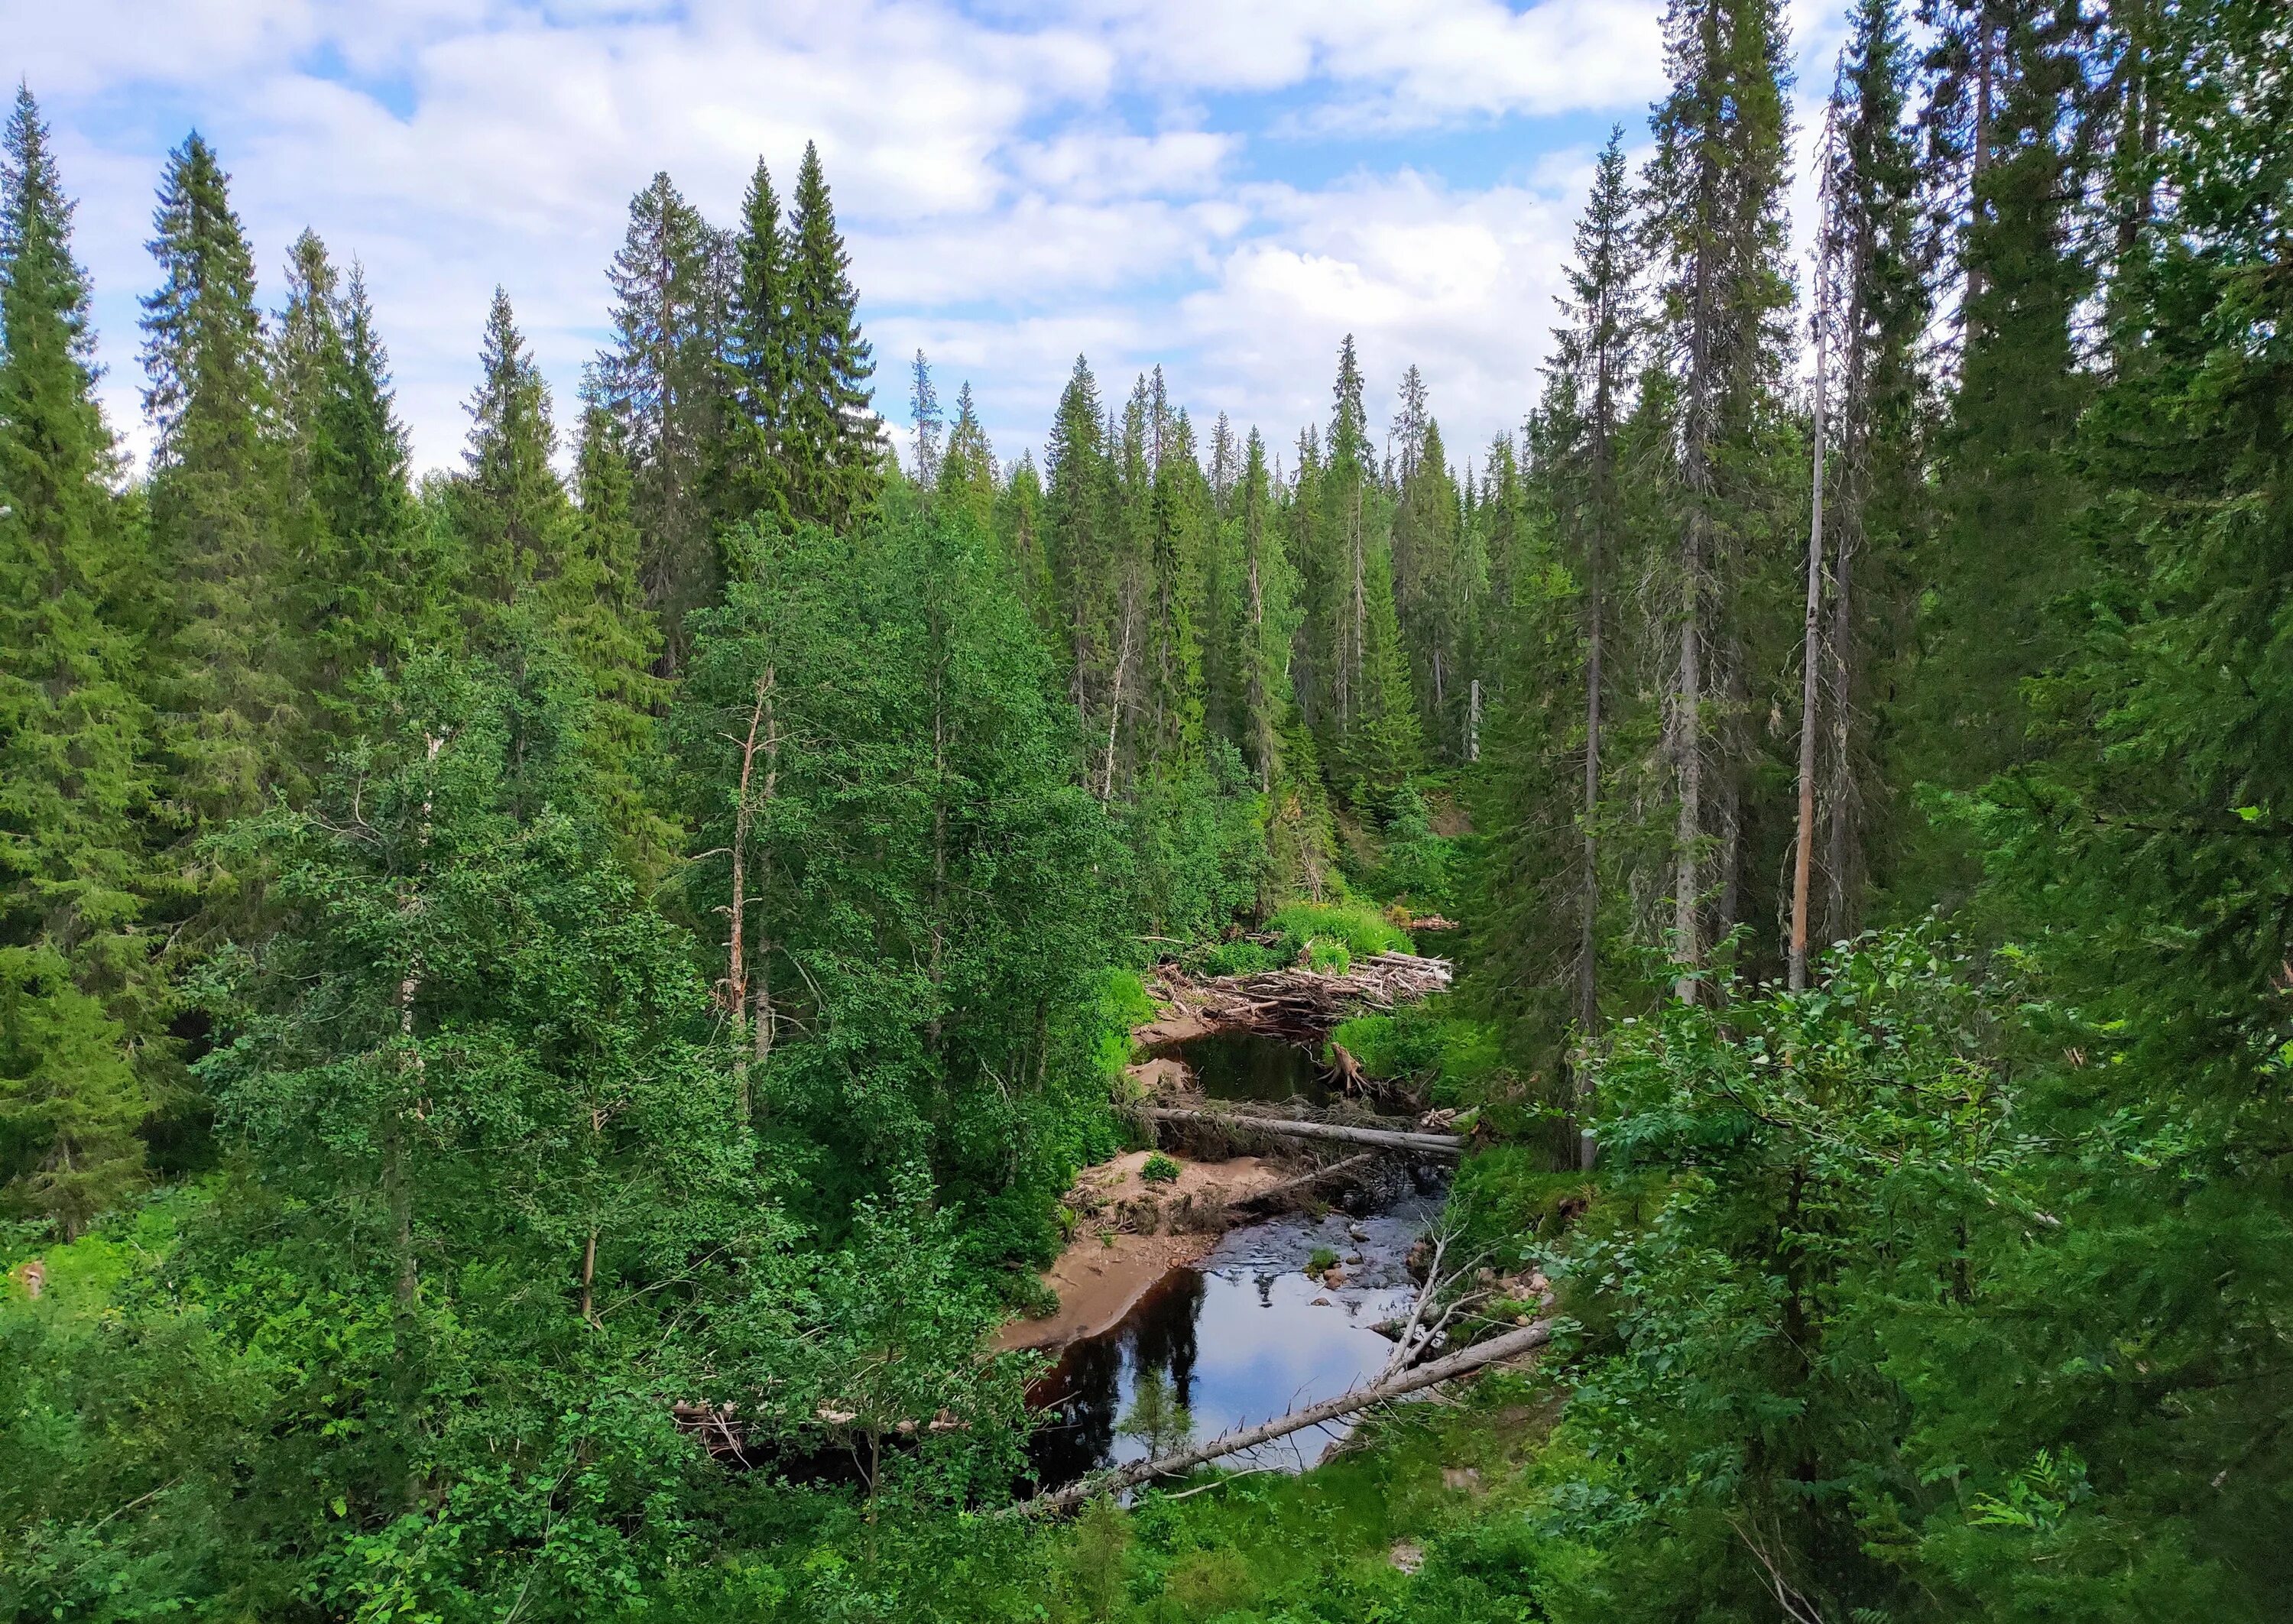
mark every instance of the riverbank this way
{"type": "Point", "coordinates": [1131, 1234]}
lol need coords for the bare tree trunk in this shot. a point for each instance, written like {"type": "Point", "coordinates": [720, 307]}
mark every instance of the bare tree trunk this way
{"type": "Point", "coordinates": [1803, 853]}
{"type": "Point", "coordinates": [736, 969]}
{"type": "Point", "coordinates": [1114, 709]}
{"type": "Point", "coordinates": [1688, 742]}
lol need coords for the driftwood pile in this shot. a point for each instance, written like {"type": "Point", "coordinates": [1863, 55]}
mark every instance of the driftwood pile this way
{"type": "Point", "coordinates": [1300, 1003]}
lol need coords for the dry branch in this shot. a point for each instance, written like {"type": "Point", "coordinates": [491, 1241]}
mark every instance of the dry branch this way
{"type": "Point", "coordinates": [1527, 1339]}
{"type": "Point", "coordinates": [1298, 1002]}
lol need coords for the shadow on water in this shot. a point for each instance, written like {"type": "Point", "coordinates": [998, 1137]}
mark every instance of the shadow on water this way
{"type": "Point", "coordinates": [1252, 1066]}
{"type": "Point", "coordinates": [1243, 1335]}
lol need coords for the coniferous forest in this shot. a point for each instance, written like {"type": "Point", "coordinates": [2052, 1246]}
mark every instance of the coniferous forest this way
{"type": "Point", "coordinates": [646, 924]}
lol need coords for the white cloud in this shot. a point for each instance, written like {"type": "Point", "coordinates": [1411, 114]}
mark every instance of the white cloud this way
{"type": "Point", "coordinates": [1015, 184]}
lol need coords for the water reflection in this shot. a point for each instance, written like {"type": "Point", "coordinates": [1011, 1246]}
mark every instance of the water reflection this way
{"type": "Point", "coordinates": [1250, 1066]}
{"type": "Point", "coordinates": [1244, 1335]}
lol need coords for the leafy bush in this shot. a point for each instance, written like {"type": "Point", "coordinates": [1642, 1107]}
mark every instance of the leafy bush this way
{"type": "Point", "coordinates": [1328, 957]}
{"type": "Point", "coordinates": [1322, 1261]}
{"type": "Point", "coordinates": [1159, 1169]}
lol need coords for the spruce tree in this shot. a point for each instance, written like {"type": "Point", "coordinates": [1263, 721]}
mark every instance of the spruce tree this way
{"type": "Point", "coordinates": [510, 505]}
{"type": "Point", "coordinates": [833, 446]}
{"type": "Point", "coordinates": [660, 379]}
{"type": "Point", "coordinates": [1585, 401]}
{"type": "Point", "coordinates": [222, 676]}
{"type": "Point", "coordinates": [306, 358]}
{"type": "Point", "coordinates": [1080, 549]}
{"type": "Point", "coordinates": [750, 475]}
{"type": "Point", "coordinates": [2007, 117]}
{"type": "Point", "coordinates": [76, 979]}
{"type": "Point", "coordinates": [1877, 498]}
{"type": "Point", "coordinates": [966, 472]}
{"type": "Point", "coordinates": [929, 423]}
{"type": "Point", "coordinates": [375, 594]}
{"type": "Point", "coordinates": [1715, 194]}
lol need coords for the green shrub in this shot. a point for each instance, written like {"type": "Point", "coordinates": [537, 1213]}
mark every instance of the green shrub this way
{"type": "Point", "coordinates": [1241, 958]}
{"type": "Point", "coordinates": [1328, 957]}
{"type": "Point", "coordinates": [1159, 1169]}
{"type": "Point", "coordinates": [1359, 925]}
{"type": "Point", "coordinates": [1322, 1261]}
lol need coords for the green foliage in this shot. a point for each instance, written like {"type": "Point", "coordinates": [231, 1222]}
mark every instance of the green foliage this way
{"type": "Point", "coordinates": [1359, 928]}
{"type": "Point", "coordinates": [1159, 1169]}
{"type": "Point", "coordinates": [924, 929]}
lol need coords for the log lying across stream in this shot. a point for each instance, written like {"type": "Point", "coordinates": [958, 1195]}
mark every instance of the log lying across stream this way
{"type": "Point", "coordinates": [1525, 1339]}
{"type": "Point", "coordinates": [1384, 1138]}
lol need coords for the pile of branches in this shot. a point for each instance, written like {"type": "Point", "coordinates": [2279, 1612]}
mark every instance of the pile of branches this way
{"type": "Point", "coordinates": [1299, 1002]}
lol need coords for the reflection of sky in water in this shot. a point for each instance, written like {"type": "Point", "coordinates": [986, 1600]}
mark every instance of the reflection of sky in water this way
{"type": "Point", "coordinates": [1245, 1338]}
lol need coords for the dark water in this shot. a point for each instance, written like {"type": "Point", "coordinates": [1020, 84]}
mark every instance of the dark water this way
{"type": "Point", "coordinates": [1248, 1066]}
{"type": "Point", "coordinates": [1243, 1335]}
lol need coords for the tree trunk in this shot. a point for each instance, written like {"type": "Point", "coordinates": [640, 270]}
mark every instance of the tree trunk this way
{"type": "Point", "coordinates": [1288, 1127]}
{"type": "Point", "coordinates": [1810, 653]}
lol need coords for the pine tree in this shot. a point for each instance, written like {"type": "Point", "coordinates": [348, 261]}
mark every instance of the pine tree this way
{"type": "Point", "coordinates": [660, 379]}
{"type": "Point", "coordinates": [510, 505]}
{"type": "Point", "coordinates": [232, 718]}
{"type": "Point", "coordinates": [74, 778]}
{"type": "Point", "coordinates": [832, 441]}
{"type": "Point", "coordinates": [750, 475]}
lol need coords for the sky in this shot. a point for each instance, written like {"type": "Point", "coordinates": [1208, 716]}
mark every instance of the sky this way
{"type": "Point", "coordinates": [1225, 189]}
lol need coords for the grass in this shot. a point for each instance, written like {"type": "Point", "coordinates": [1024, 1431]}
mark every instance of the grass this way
{"type": "Point", "coordinates": [1319, 1546]}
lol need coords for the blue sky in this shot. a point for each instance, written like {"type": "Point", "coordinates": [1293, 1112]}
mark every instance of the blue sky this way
{"type": "Point", "coordinates": [1223, 188]}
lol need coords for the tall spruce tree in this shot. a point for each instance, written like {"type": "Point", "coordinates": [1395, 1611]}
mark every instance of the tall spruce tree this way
{"type": "Point", "coordinates": [966, 472]}
{"type": "Point", "coordinates": [76, 988]}
{"type": "Point", "coordinates": [1083, 552]}
{"type": "Point", "coordinates": [510, 505]}
{"type": "Point", "coordinates": [376, 592]}
{"type": "Point", "coordinates": [1877, 497]}
{"type": "Point", "coordinates": [832, 443]}
{"type": "Point", "coordinates": [660, 377]}
{"type": "Point", "coordinates": [306, 356]}
{"type": "Point", "coordinates": [750, 476]}
{"type": "Point", "coordinates": [2012, 152]}
{"type": "Point", "coordinates": [232, 719]}
{"type": "Point", "coordinates": [1715, 195]}
{"type": "Point", "coordinates": [1587, 395]}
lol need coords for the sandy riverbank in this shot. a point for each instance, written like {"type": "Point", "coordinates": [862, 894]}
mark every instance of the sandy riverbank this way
{"type": "Point", "coordinates": [1131, 1233]}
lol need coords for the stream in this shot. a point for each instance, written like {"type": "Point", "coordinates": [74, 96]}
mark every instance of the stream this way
{"type": "Point", "coordinates": [1245, 1333]}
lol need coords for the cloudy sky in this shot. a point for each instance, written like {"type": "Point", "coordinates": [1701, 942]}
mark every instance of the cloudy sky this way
{"type": "Point", "coordinates": [1225, 187]}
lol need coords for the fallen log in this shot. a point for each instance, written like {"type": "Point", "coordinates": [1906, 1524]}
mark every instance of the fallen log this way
{"type": "Point", "coordinates": [1384, 1138]}
{"type": "Point", "coordinates": [1305, 1180]}
{"type": "Point", "coordinates": [1527, 1339]}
